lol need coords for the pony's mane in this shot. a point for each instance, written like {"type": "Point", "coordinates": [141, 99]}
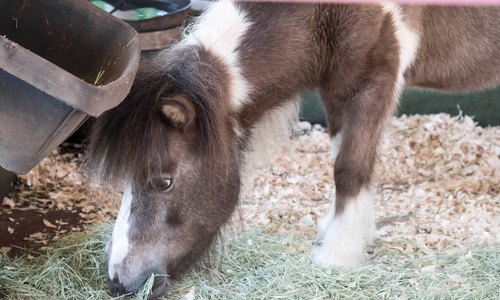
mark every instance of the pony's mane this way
{"type": "Point", "coordinates": [130, 140]}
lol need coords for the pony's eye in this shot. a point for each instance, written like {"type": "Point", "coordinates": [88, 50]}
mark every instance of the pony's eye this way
{"type": "Point", "coordinates": [162, 184]}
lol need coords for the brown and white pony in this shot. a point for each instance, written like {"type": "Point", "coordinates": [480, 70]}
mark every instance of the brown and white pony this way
{"type": "Point", "coordinates": [181, 138]}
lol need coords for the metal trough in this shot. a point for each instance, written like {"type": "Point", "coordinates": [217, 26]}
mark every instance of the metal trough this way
{"type": "Point", "coordinates": [157, 21]}
{"type": "Point", "coordinates": [60, 61]}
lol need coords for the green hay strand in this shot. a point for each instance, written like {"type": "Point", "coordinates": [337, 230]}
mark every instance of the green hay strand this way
{"type": "Point", "coordinates": [257, 265]}
{"type": "Point", "coordinates": [98, 80]}
{"type": "Point", "coordinates": [146, 288]}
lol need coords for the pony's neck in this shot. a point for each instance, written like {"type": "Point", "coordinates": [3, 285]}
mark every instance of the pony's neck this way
{"type": "Point", "coordinates": [260, 47]}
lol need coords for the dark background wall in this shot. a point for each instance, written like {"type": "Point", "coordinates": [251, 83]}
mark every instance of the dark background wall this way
{"type": "Point", "coordinates": [484, 105]}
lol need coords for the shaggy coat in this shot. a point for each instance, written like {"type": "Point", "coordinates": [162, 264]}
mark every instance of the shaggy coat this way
{"type": "Point", "coordinates": [182, 137]}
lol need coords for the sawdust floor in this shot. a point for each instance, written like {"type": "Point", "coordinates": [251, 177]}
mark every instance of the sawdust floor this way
{"type": "Point", "coordinates": [437, 188]}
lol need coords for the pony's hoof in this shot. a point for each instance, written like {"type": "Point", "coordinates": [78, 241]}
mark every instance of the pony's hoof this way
{"type": "Point", "coordinates": [336, 258]}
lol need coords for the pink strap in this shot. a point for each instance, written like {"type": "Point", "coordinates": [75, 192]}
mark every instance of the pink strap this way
{"type": "Point", "coordinates": [440, 2]}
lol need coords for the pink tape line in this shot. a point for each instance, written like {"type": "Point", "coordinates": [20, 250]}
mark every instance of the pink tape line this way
{"type": "Point", "coordinates": [421, 2]}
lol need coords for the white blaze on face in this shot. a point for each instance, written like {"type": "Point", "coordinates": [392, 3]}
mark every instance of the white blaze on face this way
{"type": "Point", "coordinates": [220, 30]}
{"type": "Point", "coordinates": [119, 239]}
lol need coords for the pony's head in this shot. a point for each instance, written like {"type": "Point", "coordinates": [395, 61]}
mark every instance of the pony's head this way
{"type": "Point", "coordinates": [173, 143]}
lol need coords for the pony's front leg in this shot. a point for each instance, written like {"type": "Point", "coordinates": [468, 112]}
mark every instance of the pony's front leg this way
{"type": "Point", "coordinates": [350, 223]}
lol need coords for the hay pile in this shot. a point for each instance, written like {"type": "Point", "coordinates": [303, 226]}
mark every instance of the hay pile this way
{"type": "Point", "coordinates": [438, 213]}
{"type": "Point", "coordinates": [258, 265]}
{"type": "Point", "coordinates": [72, 269]}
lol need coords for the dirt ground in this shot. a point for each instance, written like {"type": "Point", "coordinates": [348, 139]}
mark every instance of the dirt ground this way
{"type": "Point", "coordinates": [28, 230]}
{"type": "Point", "coordinates": [52, 200]}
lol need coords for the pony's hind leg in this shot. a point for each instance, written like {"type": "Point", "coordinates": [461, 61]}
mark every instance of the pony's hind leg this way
{"type": "Point", "coordinates": [350, 223]}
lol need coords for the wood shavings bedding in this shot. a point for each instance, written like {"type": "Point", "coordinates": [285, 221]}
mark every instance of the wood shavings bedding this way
{"type": "Point", "coordinates": [437, 186]}
{"type": "Point", "coordinates": [57, 183]}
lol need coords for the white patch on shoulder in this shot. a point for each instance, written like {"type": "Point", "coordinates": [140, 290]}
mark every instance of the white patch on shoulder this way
{"type": "Point", "coordinates": [119, 239]}
{"type": "Point", "coordinates": [408, 41]}
{"type": "Point", "coordinates": [220, 30]}
{"type": "Point", "coordinates": [343, 237]}
{"type": "Point", "coordinates": [336, 142]}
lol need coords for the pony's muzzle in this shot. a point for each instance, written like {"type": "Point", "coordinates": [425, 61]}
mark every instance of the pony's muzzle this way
{"type": "Point", "coordinates": [132, 284]}
{"type": "Point", "coordinates": [129, 275]}
{"type": "Point", "coordinates": [160, 287]}
{"type": "Point", "coordinates": [116, 288]}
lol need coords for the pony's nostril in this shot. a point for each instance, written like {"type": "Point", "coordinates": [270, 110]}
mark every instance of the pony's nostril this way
{"type": "Point", "coordinates": [115, 287]}
{"type": "Point", "coordinates": [161, 287]}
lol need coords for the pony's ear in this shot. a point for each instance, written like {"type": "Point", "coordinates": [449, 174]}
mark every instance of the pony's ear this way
{"type": "Point", "coordinates": [179, 112]}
